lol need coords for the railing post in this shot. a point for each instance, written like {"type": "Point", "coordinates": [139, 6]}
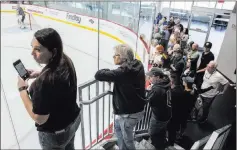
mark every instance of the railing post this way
{"type": "Point", "coordinates": [97, 113]}
{"type": "Point", "coordinates": [82, 118]}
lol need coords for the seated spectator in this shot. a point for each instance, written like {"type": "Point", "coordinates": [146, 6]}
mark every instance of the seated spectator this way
{"type": "Point", "coordinates": [160, 101]}
{"type": "Point", "coordinates": [207, 56]}
{"type": "Point", "coordinates": [177, 65]}
{"type": "Point", "coordinates": [129, 89]}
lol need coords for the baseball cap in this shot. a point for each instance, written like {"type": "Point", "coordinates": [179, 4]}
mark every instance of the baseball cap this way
{"type": "Point", "coordinates": [188, 79]}
{"type": "Point", "coordinates": [208, 45]}
{"type": "Point", "coordinates": [155, 71]}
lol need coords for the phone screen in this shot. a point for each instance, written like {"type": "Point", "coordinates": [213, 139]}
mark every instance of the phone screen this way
{"type": "Point", "coordinates": [21, 69]}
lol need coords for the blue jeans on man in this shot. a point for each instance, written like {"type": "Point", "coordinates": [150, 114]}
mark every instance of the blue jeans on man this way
{"type": "Point", "coordinates": [124, 125]}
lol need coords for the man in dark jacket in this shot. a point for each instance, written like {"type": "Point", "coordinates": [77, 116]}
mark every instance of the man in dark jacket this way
{"type": "Point", "coordinates": [159, 98]}
{"type": "Point", "coordinates": [207, 56]}
{"type": "Point", "coordinates": [177, 65]}
{"type": "Point", "coordinates": [128, 93]}
{"type": "Point", "coordinates": [177, 101]}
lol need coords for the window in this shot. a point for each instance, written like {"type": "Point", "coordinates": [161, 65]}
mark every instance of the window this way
{"type": "Point", "coordinates": [164, 5]}
{"type": "Point", "coordinates": [205, 4]}
{"type": "Point", "coordinates": [228, 5]}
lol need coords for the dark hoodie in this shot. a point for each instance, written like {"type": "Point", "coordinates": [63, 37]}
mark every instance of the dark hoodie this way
{"type": "Point", "coordinates": [129, 86]}
{"type": "Point", "coordinates": [160, 100]}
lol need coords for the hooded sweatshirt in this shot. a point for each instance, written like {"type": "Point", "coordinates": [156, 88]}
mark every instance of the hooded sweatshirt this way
{"type": "Point", "coordinates": [129, 86]}
{"type": "Point", "coordinates": [160, 100]}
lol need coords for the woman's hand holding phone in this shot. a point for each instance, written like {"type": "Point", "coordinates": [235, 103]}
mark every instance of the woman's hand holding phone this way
{"type": "Point", "coordinates": [33, 73]}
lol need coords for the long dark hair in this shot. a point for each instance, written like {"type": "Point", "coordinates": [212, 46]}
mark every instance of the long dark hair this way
{"type": "Point", "coordinates": [50, 39]}
{"type": "Point", "coordinates": [186, 31]}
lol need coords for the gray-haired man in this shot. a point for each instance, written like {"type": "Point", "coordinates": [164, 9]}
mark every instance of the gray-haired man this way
{"type": "Point", "coordinates": [128, 93]}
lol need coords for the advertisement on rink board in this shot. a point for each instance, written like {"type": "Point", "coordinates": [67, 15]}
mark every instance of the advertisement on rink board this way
{"type": "Point", "coordinates": [73, 17]}
{"type": "Point", "coordinates": [121, 32]}
{"type": "Point", "coordinates": [52, 12]}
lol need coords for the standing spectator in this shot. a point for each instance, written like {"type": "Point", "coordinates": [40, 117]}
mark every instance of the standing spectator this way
{"type": "Point", "coordinates": [171, 25]}
{"type": "Point", "coordinates": [177, 65]}
{"type": "Point", "coordinates": [193, 57]}
{"type": "Point", "coordinates": [207, 56]}
{"type": "Point", "coordinates": [163, 59]}
{"type": "Point", "coordinates": [129, 89]}
{"type": "Point", "coordinates": [154, 43]}
{"type": "Point", "coordinates": [165, 21]}
{"type": "Point", "coordinates": [184, 38]}
{"type": "Point", "coordinates": [158, 18]}
{"type": "Point", "coordinates": [160, 101]}
{"type": "Point", "coordinates": [177, 102]}
{"type": "Point", "coordinates": [52, 102]}
{"type": "Point", "coordinates": [166, 37]}
{"type": "Point", "coordinates": [188, 102]}
{"type": "Point", "coordinates": [212, 78]}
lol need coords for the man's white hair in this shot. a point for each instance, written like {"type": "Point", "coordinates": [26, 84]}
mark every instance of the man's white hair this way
{"type": "Point", "coordinates": [213, 63]}
{"type": "Point", "coordinates": [125, 52]}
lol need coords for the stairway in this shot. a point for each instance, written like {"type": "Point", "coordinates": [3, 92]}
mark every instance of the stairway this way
{"type": "Point", "coordinates": [143, 144]}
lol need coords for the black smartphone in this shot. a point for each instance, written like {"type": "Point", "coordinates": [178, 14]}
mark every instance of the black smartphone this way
{"type": "Point", "coordinates": [20, 68]}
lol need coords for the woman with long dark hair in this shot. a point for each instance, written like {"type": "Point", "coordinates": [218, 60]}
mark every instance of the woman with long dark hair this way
{"type": "Point", "coordinates": [51, 102]}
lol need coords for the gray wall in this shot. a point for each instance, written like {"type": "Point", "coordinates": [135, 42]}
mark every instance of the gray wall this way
{"type": "Point", "coordinates": [227, 55]}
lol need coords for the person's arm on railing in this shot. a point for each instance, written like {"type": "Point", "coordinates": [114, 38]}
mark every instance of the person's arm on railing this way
{"type": "Point", "coordinates": [109, 75]}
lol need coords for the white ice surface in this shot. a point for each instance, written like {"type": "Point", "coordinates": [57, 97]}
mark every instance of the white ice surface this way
{"type": "Point", "coordinates": [81, 46]}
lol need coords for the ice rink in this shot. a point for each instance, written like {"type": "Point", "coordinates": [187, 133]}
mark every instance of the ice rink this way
{"type": "Point", "coordinates": [82, 47]}
{"type": "Point", "coordinates": [80, 44]}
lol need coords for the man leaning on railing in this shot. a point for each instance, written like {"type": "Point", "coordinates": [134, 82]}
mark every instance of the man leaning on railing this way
{"type": "Point", "coordinates": [128, 93]}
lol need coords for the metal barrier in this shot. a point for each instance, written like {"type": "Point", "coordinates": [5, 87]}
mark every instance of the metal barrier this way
{"type": "Point", "coordinates": [140, 129]}
{"type": "Point", "coordinates": [94, 100]}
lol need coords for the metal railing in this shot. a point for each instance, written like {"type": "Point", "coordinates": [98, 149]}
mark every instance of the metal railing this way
{"type": "Point", "coordinates": [89, 102]}
{"type": "Point", "coordinates": [140, 129]}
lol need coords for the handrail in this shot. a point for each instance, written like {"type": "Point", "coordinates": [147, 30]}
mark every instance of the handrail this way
{"type": "Point", "coordinates": [87, 102]}
{"type": "Point", "coordinates": [215, 135]}
{"type": "Point", "coordinates": [85, 84]}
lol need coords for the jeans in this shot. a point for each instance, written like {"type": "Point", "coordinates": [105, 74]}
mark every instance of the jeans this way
{"type": "Point", "coordinates": [60, 141]}
{"type": "Point", "coordinates": [124, 125]}
{"type": "Point", "coordinates": [206, 104]}
{"type": "Point", "coordinates": [157, 132]}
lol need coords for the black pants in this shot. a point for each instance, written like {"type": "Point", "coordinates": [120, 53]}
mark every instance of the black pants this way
{"type": "Point", "coordinates": [206, 102]}
{"type": "Point", "coordinates": [157, 132]}
{"type": "Point", "coordinates": [199, 79]}
{"type": "Point", "coordinates": [23, 18]}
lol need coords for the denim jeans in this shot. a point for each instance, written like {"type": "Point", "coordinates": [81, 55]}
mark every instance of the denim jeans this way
{"type": "Point", "coordinates": [60, 141]}
{"type": "Point", "coordinates": [157, 132]}
{"type": "Point", "coordinates": [124, 125]}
